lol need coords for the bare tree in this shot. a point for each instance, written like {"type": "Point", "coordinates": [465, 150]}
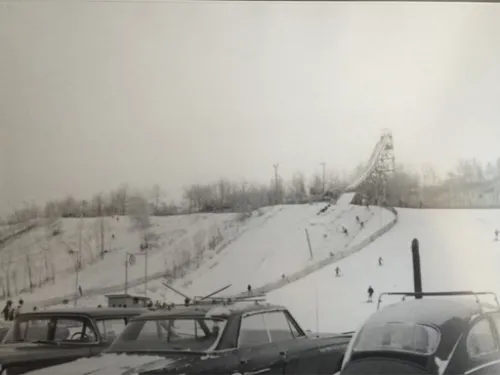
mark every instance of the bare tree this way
{"type": "Point", "coordinates": [490, 171]}
{"type": "Point", "coordinates": [139, 213]}
{"type": "Point", "coordinates": [469, 170]}
{"type": "Point", "coordinates": [199, 244]}
{"type": "Point", "coordinates": [316, 185]}
{"type": "Point", "coordinates": [156, 194]}
{"type": "Point", "coordinates": [429, 175]}
{"type": "Point", "coordinates": [119, 200]}
{"type": "Point", "coordinates": [298, 190]}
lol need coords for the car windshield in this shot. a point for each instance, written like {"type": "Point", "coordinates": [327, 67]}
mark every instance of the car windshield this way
{"type": "Point", "coordinates": [186, 334]}
{"type": "Point", "coordinates": [51, 329]}
{"type": "Point", "coordinates": [406, 337]}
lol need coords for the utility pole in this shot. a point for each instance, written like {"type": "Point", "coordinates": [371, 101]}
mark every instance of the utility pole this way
{"type": "Point", "coordinates": [78, 253]}
{"type": "Point", "coordinates": [323, 164]}
{"type": "Point", "coordinates": [276, 166]}
{"type": "Point", "coordinates": [146, 271]}
{"type": "Point", "coordinates": [101, 218]}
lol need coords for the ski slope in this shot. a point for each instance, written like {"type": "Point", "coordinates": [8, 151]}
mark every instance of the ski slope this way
{"type": "Point", "coordinates": [457, 251]}
{"type": "Point", "coordinates": [271, 244]}
{"type": "Point", "coordinates": [263, 254]}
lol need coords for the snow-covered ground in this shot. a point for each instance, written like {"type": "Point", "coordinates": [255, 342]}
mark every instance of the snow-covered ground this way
{"type": "Point", "coordinates": [270, 245]}
{"type": "Point", "coordinates": [457, 251]}
{"type": "Point", "coordinates": [178, 238]}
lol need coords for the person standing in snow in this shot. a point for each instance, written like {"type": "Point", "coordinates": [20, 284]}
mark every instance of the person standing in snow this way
{"type": "Point", "coordinates": [337, 271]}
{"type": "Point", "coordinates": [496, 235]}
{"type": "Point", "coordinates": [19, 308]}
{"type": "Point", "coordinates": [345, 231]}
{"type": "Point", "coordinates": [6, 310]}
{"type": "Point", "coordinates": [380, 261]}
{"type": "Point", "coordinates": [370, 294]}
{"type": "Point", "coordinates": [249, 289]}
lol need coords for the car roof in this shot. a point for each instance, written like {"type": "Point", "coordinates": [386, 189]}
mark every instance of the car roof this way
{"type": "Point", "coordinates": [430, 311]}
{"type": "Point", "coordinates": [214, 310]}
{"type": "Point", "coordinates": [94, 312]}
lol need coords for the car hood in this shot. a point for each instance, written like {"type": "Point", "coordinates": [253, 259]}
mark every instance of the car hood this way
{"type": "Point", "coordinates": [116, 364]}
{"type": "Point", "coordinates": [12, 352]}
{"type": "Point", "coordinates": [382, 366]}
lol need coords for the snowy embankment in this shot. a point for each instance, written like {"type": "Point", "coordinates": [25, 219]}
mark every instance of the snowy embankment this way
{"type": "Point", "coordinates": [457, 251]}
{"type": "Point", "coordinates": [41, 255]}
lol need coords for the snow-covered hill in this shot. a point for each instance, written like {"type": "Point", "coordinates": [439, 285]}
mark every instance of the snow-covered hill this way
{"type": "Point", "coordinates": [457, 251]}
{"type": "Point", "coordinates": [41, 254]}
{"type": "Point", "coordinates": [271, 244]}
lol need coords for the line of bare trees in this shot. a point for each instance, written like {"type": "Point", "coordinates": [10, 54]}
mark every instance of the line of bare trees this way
{"type": "Point", "coordinates": [224, 195]}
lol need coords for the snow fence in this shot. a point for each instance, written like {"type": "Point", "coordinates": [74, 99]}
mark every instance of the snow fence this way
{"type": "Point", "coordinates": [266, 288]}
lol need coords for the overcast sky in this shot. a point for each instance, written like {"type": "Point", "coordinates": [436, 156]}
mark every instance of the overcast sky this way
{"type": "Point", "coordinates": [93, 95]}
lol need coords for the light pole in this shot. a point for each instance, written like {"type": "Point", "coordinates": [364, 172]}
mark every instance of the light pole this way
{"type": "Point", "coordinates": [77, 272]}
{"type": "Point", "coordinates": [78, 253]}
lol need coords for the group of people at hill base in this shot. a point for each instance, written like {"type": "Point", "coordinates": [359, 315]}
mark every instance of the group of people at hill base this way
{"type": "Point", "coordinates": [9, 312]}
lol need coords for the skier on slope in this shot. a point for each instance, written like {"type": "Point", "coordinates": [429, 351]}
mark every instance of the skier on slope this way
{"type": "Point", "coordinates": [496, 235]}
{"type": "Point", "coordinates": [370, 294]}
{"type": "Point", "coordinates": [337, 271]}
{"type": "Point", "coordinates": [380, 261]}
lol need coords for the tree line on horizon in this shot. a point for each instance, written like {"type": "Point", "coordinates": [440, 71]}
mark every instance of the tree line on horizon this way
{"type": "Point", "coordinates": [225, 195]}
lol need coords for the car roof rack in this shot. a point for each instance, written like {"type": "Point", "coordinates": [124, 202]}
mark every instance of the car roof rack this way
{"type": "Point", "coordinates": [211, 299]}
{"type": "Point", "coordinates": [439, 294]}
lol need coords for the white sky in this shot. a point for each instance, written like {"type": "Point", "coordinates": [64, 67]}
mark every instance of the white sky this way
{"type": "Point", "coordinates": [96, 94]}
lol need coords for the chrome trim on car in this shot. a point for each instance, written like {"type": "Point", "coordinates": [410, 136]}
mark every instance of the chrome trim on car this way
{"type": "Point", "coordinates": [484, 365]}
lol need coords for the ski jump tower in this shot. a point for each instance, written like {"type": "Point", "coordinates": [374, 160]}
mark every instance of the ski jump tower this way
{"type": "Point", "coordinates": [373, 180]}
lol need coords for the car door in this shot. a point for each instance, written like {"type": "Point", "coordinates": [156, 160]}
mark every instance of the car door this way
{"type": "Point", "coordinates": [300, 355]}
{"type": "Point", "coordinates": [482, 347]}
{"type": "Point", "coordinates": [256, 353]}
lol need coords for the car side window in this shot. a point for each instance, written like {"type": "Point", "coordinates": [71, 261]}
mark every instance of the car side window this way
{"type": "Point", "coordinates": [279, 326]}
{"type": "Point", "coordinates": [74, 330]}
{"type": "Point", "coordinates": [253, 331]}
{"type": "Point", "coordinates": [480, 340]}
{"type": "Point", "coordinates": [111, 328]}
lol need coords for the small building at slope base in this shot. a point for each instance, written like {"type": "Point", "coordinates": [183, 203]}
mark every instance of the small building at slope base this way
{"type": "Point", "coordinates": [127, 300]}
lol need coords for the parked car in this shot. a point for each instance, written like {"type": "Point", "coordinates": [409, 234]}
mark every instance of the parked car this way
{"type": "Point", "coordinates": [246, 338]}
{"type": "Point", "coordinates": [47, 338]}
{"type": "Point", "coordinates": [428, 336]}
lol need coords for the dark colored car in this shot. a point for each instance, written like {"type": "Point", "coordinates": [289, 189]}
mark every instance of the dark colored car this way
{"type": "Point", "coordinates": [213, 339]}
{"type": "Point", "coordinates": [47, 338]}
{"type": "Point", "coordinates": [428, 336]}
